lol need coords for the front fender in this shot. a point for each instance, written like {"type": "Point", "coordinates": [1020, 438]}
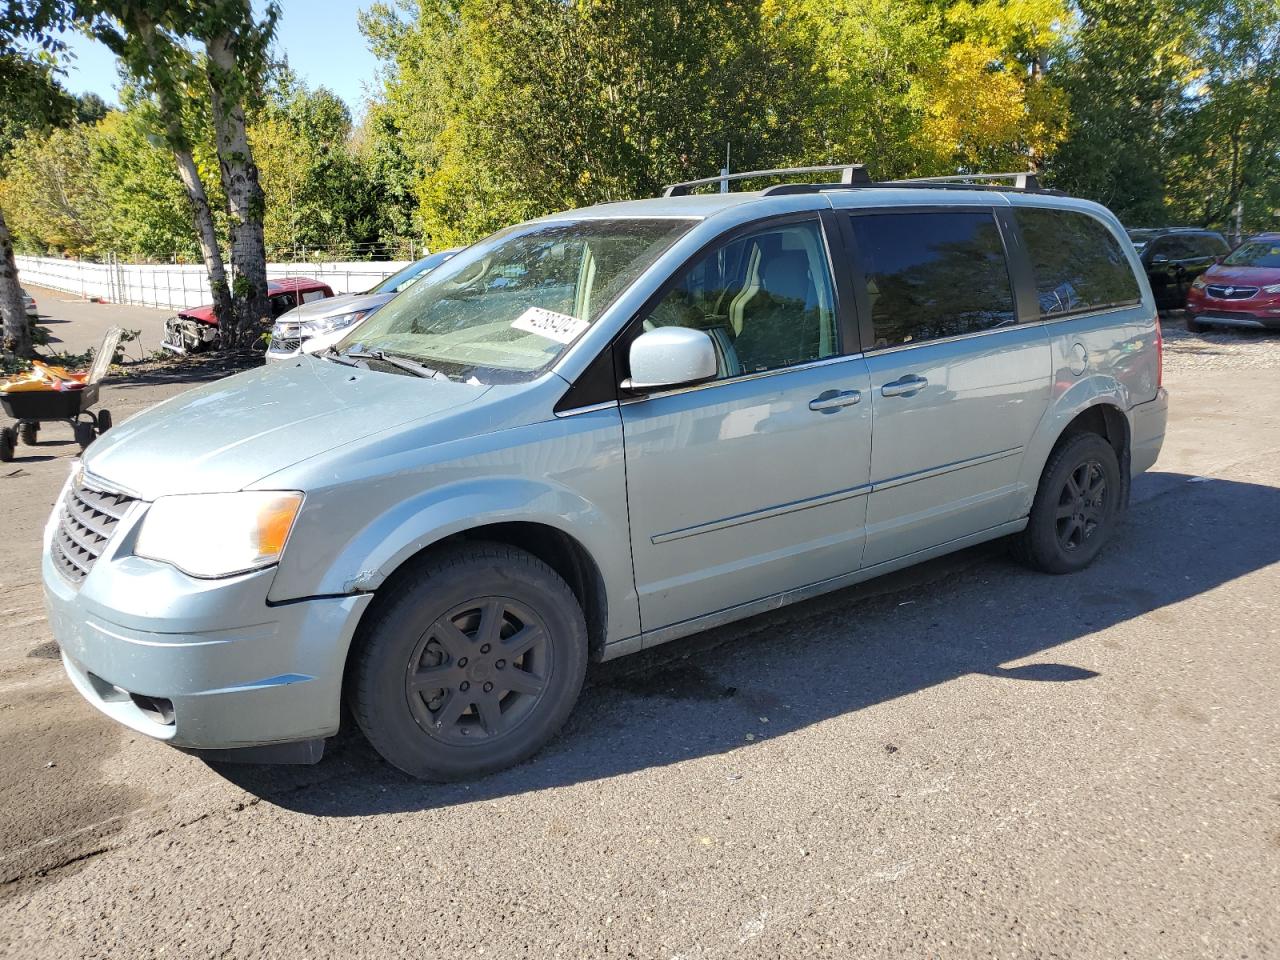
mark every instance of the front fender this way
{"type": "Point", "coordinates": [566, 474]}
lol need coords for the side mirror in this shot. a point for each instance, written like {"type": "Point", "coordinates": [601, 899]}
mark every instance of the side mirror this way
{"type": "Point", "coordinates": [670, 357]}
{"type": "Point", "coordinates": [1159, 260]}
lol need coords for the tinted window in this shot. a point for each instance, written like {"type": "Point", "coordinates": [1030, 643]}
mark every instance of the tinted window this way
{"type": "Point", "coordinates": [932, 275]}
{"type": "Point", "coordinates": [1188, 246]}
{"type": "Point", "coordinates": [1078, 264]}
{"type": "Point", "coordinates": [765, 299]}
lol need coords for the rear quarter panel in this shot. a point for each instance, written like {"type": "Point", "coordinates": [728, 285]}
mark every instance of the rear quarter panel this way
{"type": "Point", "coordinates": [1106, 357]}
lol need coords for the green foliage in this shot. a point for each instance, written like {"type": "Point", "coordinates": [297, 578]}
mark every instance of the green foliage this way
{"type": "Point", "coordinates": [319, 195]}
{"type": "Point", "coordinates": [512, 109]}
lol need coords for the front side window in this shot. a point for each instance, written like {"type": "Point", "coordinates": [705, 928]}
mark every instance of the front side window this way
{"type": "Point", "coordinates": [764, 298]}
{"type": "Point", "coordinates": [933, 275]}
{"type": "Point", "coordinates": [1078, 264]}
{"type": "Point", "coordinates": [505, 309]}
{"type": "Point", "coordinates": [1259, 252]}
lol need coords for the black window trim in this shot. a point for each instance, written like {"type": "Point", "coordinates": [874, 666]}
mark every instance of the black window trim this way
{"type": "Point", "coordinates": [577, 400]}
{"type": "Point", "coordinates": [1007, 227]}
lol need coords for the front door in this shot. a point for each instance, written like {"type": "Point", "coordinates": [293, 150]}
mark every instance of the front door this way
{"type": "Point", "coordinates": [755, 483]}
{"type": "Point", "coordinates": [958, 387]}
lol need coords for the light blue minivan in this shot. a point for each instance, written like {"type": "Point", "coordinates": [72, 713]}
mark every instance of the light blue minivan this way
{"type": "Point", "coordinates": [596, 432]}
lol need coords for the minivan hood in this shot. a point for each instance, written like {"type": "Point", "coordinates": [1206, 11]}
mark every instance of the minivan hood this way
{"type": "Point", "coordinates": [334, 306]}
{"type": "Point", "coordinates": [223, 436]}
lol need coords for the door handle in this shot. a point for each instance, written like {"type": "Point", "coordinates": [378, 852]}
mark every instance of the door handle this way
{"type": "Point", "coordinates": [907, 386]}
{"type": "Point", "coordinates": [829, 401]}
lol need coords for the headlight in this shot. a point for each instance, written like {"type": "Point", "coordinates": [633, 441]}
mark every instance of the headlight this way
{"type": "Point", "coordinates": [326, 324]}
{"type": "Point", "coordinates": [1198, 283]}
{"type": "Point", "coordinates": [1274, 288]}
{"type": "Point", "coordinates": [219, 534]}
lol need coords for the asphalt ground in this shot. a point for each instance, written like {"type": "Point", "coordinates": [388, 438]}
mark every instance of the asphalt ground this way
{"type": "Point", "coordinates": [965, 759]}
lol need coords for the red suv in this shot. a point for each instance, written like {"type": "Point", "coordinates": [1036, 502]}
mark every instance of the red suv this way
{"type": "Point", "coordinates": [196, 328]}
{"type": "Point", "coordinates": [1241, 291]}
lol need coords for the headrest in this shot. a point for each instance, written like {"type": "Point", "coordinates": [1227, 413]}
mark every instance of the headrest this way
{"type": "Point", "coordinates": [785, 274]}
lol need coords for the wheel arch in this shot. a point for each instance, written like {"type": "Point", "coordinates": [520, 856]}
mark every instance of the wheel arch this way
{"type": "Point", "coordinates": [1103, 416]}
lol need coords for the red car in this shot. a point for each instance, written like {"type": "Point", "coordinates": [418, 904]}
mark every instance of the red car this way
{"type": "Point", "coordinates": [196, 328]}
{"type": "Point", "coordinates": [1241, 291]}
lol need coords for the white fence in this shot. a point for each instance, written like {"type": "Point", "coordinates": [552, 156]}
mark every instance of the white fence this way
{"type": "Point", "coordinates": [174, 287]}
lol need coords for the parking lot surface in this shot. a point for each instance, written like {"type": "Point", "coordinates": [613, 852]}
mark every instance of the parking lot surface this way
{"type": "Point", "coordinates": [964, 759]}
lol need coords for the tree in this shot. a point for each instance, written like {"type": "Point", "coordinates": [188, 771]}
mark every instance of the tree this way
{"type": "Point", "coordinates": [319, 195]}
{"type": "Point", "coordinates": [513, 109]}
{"type": "Point", "coordinates": [236, 45]}
{"type": "Point", "coordinates": [29, 98]}
{"type": "Point", "coordinates": [52, 193]}
{"type": "Point", "coordinates": [1225, 142]}
{"type": "Point", "coordinates": [142, 35]}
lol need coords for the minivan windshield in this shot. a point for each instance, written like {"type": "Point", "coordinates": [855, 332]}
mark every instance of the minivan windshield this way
{"type": "Point", "coordinates": [1256, 253]}
{"type": "Point", "coordinates": [503, 310]}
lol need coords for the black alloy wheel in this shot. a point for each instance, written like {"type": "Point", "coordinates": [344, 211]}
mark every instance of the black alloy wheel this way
{"type": "Point", "coordinates": [1076, 507]}
{"type": "Point", "coordinates": [468, 660]}
{"type": "Point", "coordinates": [479, 671]}
{"type": "Point", "coordinates": [1081, 504]}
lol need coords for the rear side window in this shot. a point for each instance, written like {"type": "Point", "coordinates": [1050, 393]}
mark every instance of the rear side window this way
{"type": "Point", "coordinates": [933, 275]}
{"type": "Point", "coordinates": [1078, 264]}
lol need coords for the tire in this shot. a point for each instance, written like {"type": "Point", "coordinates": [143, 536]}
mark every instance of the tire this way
{"type": "Point", "coordinates": [454, 616]}
{"type": "Point", "coordinates": [1195, 326]}
{"type": "Point", "coordinates": [104, 421]}
{"type": "Point", "coordinates": [1054, 543]}
{"type": "Point", "coordinates": [29, 433]}
{"type": "Point", "coordinates": [84, 432]}
{"type": "Point", "coordinates": [8, 440]}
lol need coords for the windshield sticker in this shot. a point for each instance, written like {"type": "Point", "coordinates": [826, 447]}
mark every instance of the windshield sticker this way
{"type": "Point", "coordinates": [559, 327]}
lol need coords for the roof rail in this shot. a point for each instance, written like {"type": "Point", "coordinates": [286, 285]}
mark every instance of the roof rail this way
{"type": "Point", "coordinates": [851, 174]}
{"type": "Point", "coordinates": [1024, 180]}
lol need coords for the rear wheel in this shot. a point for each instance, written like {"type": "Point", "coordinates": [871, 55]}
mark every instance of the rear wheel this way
{"type": "Point", "coordinates": [29, 432]}
{"type": "Point", "coordinates": [1076, 507]}
{"type": "Point", "coordinates": [104, 421]}
{"type": "Point", "coordinates": [8, 440]}
{"type": "Point", "coordinates": [471, 662]}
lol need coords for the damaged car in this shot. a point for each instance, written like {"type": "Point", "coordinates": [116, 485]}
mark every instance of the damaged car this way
{"type": "Point", "coordinates": [196, 328]}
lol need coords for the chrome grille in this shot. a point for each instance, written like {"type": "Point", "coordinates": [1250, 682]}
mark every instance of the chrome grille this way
{"type": "Point", "coordinates": [1222, 291]}
{"type": "Point", "coordinates": [285, 344]}
{"type": "Point", "coordinates": [88, 520]}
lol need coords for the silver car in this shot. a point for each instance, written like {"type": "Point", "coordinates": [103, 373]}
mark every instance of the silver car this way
{"type": "Point", "coordinates": [596, 432]}
{"type": "Point", "coordinates": [319, 324]}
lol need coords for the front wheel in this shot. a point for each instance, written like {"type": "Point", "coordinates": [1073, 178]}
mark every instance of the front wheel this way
{"type": "Point", "coordinates": [469, 663]}
{"type": "Point", "coordinates": [1076, 507]}
{"type": "Point", "coordinates": [1195, 326]}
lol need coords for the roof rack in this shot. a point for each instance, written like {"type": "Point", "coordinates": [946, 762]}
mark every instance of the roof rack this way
{"type": "Point", "coordinates": [854, 176]}
{"type": "Point", "coordinates": [851, 174]}
{"type": "Point", "coordinates": [1022, 180]}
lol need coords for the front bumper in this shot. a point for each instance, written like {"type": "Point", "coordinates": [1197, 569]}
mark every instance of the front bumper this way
{"type": "Point", "coordinates": [1148, 421]}
{"type": "Point", "coordinates": [201, 664]}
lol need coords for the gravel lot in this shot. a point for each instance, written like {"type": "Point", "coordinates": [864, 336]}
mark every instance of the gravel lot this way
{"type": "Point", "coordinates": [1220, 349]}
{"type": "Point", "coordinates": [962, 760]}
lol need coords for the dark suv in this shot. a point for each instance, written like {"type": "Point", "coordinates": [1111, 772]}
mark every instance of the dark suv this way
{"type": "Point", "coordinates": [1174, 256]}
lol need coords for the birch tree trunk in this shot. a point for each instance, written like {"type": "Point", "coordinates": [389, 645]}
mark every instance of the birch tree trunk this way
{"type": "Point", "coordinates": [207, 234]}
{"type": "Point", "coordinates": [17, 332]}
{"type": "Point", "coordinates": [245, 201]}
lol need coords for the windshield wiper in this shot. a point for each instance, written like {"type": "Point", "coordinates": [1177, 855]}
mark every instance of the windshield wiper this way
{"type": "Point", "coordinates": [332, 354]}
{"type": "Point", "coordinates": [403, 363]}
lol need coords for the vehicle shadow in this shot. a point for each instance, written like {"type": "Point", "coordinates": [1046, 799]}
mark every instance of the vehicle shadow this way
{"type": "Point", "coordinates": [976, 612]}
